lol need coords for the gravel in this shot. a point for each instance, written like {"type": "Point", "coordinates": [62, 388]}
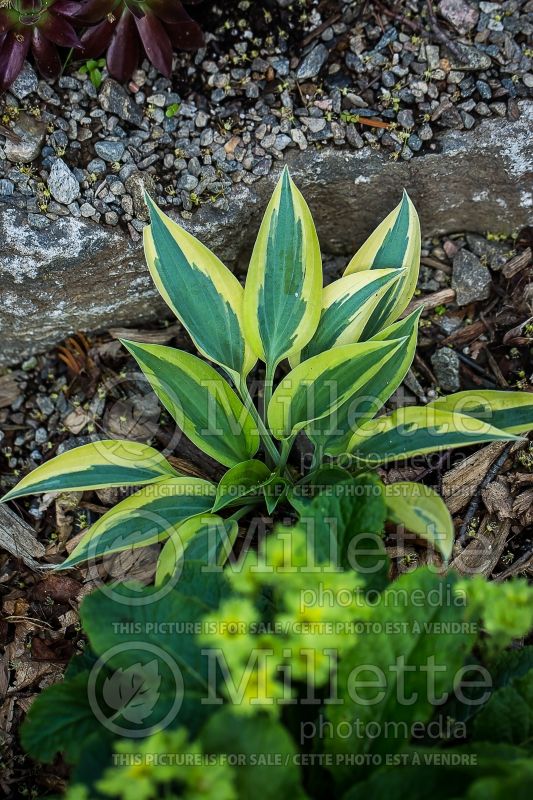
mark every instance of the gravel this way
{"type": "Point", "coordinates": [462, 16]}
{"type": "Point", "coordinates": [25, 83]}
{"type": "Point", "coordinates": [312, 63]}
{"type": "Point", "coordinates": [470, 278]}
{"type": "Point", "coordinates": [62, 184]}
{"type": "Point", "coordinates": [268, 81]}
{"type": "Point", "coordinates": [110, 151]}
{"type": "Point", "coordinates": [446, 364]}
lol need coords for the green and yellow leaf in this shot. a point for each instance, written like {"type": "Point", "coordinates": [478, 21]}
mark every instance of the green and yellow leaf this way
{"type": "Point", "coordinates": [420, 510]}
{"type": "Point", "coordinates": [207, 539]}
{"type": "Point", "coordinates": [346, 307]}
{"type": "Point", "coordinates": [147, 517]}
{"type": "Point", "coordinates": [508, 411]}
{"type": "Point", "coordinates": [205, 296]}
{"type": "Point", "coordinates": [240, 482]}
{"type": "Point", "coordinates": [395, 244]}
{"type": "Point", "coordinates": [283, 292]}
{"type": "Point", "coordinates": [332, 434]}
{"type": "Point", "coordinates": [201, 402]}
{"type": "Point", "coordinates": [106, 462]}
{"type": "Point", "coordinates": [413, 431]}
{"type": "Point", "coordinates": [319, 385]}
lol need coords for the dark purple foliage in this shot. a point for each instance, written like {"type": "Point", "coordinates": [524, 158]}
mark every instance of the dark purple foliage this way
{"type": "Point", "coordinates": [36, 26]}
{"type": "Point", "coordinates": [125, 28]}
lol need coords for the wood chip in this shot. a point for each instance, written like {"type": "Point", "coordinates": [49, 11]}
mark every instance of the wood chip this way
{"type": "Point", "coordinates": [148, 337]}
{"type": "Point", "coordinates": [523, 507]}
{"type": "Point", "coordinates": [468, 333]}
{"type": "Point", "coordinates": [484, 550]}
{"type": "Point", "coordinates": [434, 263]}
{"type": "Point", "coordinates": [431, 301]}
{"type": "Point", "coordinates": [516, 335]}
{"type": "Point", "coordinates": [59, 588]}
{"type": "Point", "coordinates": [497, 499]}
{"type": "Point", "coordinates": [27, 673]}
{"type": "Point", "coordinates": [19, 539]}
{"type": "Point", "coordinates": [9, 389]}
{"type": "Point", "coordinates": [517, 264]}
{"type": "Point", "coordinates": [460, 483]}
{"type": "Point", "coordinates": [76, 420]}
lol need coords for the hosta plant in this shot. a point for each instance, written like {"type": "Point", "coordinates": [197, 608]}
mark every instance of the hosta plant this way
{"type": "Point", "coordinates": [349, 346]}
{"type": "Point", "coordinates": [36, 25]}
{"type": "Point", "coordinates": [126, 28]}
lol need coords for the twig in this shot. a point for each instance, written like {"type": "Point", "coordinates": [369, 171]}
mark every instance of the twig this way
{"type": "Point", "coordinates": [474, 503]}
{"type": "Point", "coordinates": [430, 301]}
{"type": "Point", "coordinates": [317, 31]}
{"type": "Point", "coordinates": [442, 36]}
{"type": "Point", "coordinates": [9, 134]}
{"type": "Point", "coordinates": [419, 361]}
{"type": "Point", "coordinates": [475, 367]}
{"type": "Point", "coordinates": [409, 23]}
{"type": "Point", "coordinates": [493, 364]}
{"type": "Point", "coordinates": [433, 468]}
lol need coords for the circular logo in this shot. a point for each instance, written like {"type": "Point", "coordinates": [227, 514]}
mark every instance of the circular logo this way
{"type": "Point", "coordinates": [128, 700]}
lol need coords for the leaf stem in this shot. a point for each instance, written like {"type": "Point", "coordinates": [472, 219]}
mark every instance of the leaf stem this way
{"type": "Point", "coordinates": [286, 447]}
{"type": "Point", "coordinates": [241, 512]}
{"type": "Point", "coordinates": [268, 444]}
{"type": "Point", "coordinates": [267, 394]}
{"type": "Point", "coordinates": [318, 455]}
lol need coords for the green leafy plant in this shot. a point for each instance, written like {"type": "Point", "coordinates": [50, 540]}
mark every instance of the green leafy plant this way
{"type": "Point", "coordinates": [348, 347]}
{"type": "Point", "coordinates": [329, 676]}
{"type": "Point", "coordinates": [93, 68]}
{"type": "Point", "coordinates": [172, 110]}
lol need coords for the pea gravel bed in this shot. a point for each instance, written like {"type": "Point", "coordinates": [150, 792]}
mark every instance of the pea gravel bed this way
{"type": "Point", "coordinates": [273, 76]}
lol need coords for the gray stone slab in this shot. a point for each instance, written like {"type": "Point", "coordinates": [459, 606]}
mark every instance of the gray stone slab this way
{"type": "Point", "coordinates": [75, 275]}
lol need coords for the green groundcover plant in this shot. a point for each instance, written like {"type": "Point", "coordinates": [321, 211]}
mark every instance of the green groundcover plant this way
{"type": "Point", "coordinates": [348, 347]}
{"type": "Point", "coordinates": [299, 671]}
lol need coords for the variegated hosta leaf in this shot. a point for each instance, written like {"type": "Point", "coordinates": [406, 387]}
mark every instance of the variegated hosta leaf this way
{"type": "Point", "coordinates": [319, 385]}
{"type": "Point", "coordinates": [206, 539]}
{"type": "Point", "coordinates": [394, 244]}
{"type": "Point", "coordinates": [423, 512]}
{"type": "Point", "coordinates": [106, 462]}
{"type": "Point", "coordinates": [239, 481]}
{"type": "Point", "coordinates": [283, 292]}
{"type": "Point", "coordinates": [332, 434]}
{"type": "Point", "coordinates": [246, 482]}
{"type": "Point", "coordinates": [412, 431]}
{"type": "Point", "coordinates": [205, 296]}
{"type": "Point", "coordinates": [508, 411]}
{"type": "Point", "coordinates": [201, 402]}
{"type": "Point", "coordinates": [147, 517]}
{"type": "Point", "coordinates": [346, 307]}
